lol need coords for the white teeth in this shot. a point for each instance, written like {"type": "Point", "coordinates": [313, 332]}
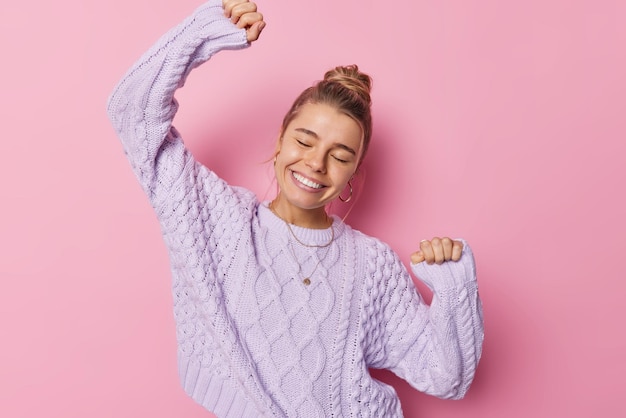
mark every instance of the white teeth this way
{"type": "Point", "coordinates": [307, 182]}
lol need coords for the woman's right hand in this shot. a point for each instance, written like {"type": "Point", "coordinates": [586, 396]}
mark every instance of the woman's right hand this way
{"type": "Point", "coordinates": [244, 14]}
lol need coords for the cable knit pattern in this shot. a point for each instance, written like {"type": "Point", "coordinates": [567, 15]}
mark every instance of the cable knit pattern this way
{"type": "Point", "coordinates": [253, 339]}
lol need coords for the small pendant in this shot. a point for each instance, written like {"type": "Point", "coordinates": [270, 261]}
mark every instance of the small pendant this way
{"type": "Point", "coordinates": [306, 281]}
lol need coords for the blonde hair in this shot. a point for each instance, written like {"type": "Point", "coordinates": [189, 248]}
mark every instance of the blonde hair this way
{"type": "Point", "coordinates": [345, 88]}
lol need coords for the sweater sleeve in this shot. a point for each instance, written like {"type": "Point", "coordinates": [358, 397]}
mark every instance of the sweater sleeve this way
{"type": "Point", "coordinates": [142, 106]}
{"type": "Point", "coordinates": [203, 219]}
{"type": "Point", "coordinates": [435, 348]}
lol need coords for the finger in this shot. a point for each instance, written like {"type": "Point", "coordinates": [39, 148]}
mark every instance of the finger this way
{"type": "Point", "coordinates": [417, 257]}
{"type": "Point", "coordinates": [437, 250]}
{"type": "Point", "coordinates": [249, 19]}
{"type": "Point", "coordinates": [447, 245]}
{"type": "Point", "coordinates": [427, 250]}
{"type": "Point", "coordinates": [457, 250]}
{"type": "Point", "coordinates": [240, 10]}
{"type": "Point", "coordinates": [253, 33]}
{"type": "Point", "coordinates": [228, 6]}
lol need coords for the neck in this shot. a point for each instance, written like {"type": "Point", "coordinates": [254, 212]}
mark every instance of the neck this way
{"type": "Point", "coordinates": [316, 218]}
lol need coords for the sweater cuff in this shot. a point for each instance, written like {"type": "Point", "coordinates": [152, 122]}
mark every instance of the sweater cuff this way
{"type": "Point", "coordinates": [450, 274]}
{"type": "Point", "coordinates": [211, 16]}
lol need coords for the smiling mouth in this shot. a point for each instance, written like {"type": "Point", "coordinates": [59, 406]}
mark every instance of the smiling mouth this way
{"type": "Point", "coordinates": [306, 181]}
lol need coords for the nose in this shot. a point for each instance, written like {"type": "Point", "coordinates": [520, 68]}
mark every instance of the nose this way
{"type": "Point", "coordinates": [316, 160]}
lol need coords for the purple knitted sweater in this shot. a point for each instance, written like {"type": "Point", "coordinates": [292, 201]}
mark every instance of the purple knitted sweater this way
{"type": "Point", "coordinates": [253, 339]}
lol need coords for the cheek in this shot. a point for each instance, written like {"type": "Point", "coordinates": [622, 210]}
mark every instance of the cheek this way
{"type": "Point", "coordinates": [283, 160]}
{"type": "Point", "coordinates": [343, 175]}
{"type": "Point", "coordinates": [285, 152]}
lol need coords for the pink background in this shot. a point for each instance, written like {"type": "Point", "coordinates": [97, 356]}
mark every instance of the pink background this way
{"type": "Point", "coordinates": [498, 121]}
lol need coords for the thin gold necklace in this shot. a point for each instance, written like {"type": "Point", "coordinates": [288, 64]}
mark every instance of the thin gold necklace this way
{"type": "Point", "coordinates": [306, 279]}
{"type": "Point", "coordinates": [332, 231]}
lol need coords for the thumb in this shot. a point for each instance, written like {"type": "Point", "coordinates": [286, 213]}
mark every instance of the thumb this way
{"type": "Point", "coordinates": [417, 257]}
{"type": "Point", "coordinates": [253, 33]}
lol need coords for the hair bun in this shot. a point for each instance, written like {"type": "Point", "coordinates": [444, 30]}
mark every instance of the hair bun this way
{"type": "Point", "coordinates": [352, 79]}
{"type": "Point", "coordinates": [347, 90]}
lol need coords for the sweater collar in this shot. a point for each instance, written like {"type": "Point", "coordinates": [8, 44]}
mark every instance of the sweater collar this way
{"type": "Point", "coordinates": [309, 236]}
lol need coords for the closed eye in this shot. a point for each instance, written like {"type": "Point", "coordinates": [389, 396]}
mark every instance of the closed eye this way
{"type": "Point", "coordinates": [341, 160]}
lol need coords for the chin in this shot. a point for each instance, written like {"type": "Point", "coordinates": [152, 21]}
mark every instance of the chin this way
{"type": "Point", "coordinates": [311, 206]}
{"type": "Point", "coordinates": [308, 205]}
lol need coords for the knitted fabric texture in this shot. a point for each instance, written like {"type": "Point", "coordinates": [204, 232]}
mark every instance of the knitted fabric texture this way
{"type": "Point", "coordinates": [253, 339]}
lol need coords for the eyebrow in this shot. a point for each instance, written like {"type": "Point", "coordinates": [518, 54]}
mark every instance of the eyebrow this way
{"type": "Point", "coordinates": [316, 136]}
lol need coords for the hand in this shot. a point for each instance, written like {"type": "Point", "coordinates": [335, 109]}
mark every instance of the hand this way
{"type": "Point", "coordinates": [243, 13]}
{"type": "Point", "coordinates": [437, 251]}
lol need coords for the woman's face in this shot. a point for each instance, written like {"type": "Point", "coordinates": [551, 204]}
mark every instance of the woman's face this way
{"type": "Point", "coordinates": [317, 154]}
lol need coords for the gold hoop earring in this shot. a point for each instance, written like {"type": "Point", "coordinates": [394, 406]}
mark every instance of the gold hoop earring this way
{"type": "Point", "coordinates": [346, 200]}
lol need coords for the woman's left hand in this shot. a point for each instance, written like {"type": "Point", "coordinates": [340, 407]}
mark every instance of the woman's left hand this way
{"type": "Point", "coordinates": [438, 250]}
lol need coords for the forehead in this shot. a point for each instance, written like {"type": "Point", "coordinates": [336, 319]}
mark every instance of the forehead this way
{"type": "Point", "coordinates": [327, 124]}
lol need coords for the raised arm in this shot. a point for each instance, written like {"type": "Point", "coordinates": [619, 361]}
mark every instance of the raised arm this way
{"type": "Point", "coordinates": [142, 106]}
{"type": "Point", "coordinates": [455, 318]}
{"type": "Point", "coordinates": [435, 348]}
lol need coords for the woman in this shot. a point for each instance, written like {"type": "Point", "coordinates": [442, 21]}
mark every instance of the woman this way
{"type": "Point", "coordinates": [281, 309]}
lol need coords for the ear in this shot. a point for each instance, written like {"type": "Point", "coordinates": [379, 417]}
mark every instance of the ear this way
{"type": "Point", "coordinates": [279, 143]}
{"type": "Point", "coordinates": [357, 170]}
